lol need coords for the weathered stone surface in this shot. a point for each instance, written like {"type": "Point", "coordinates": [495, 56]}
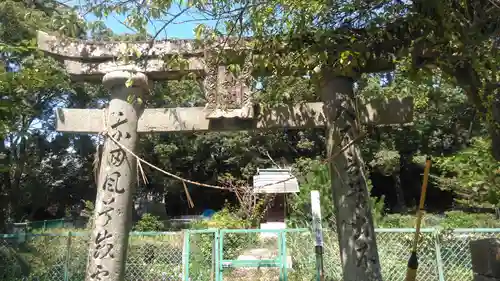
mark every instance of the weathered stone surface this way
{"type": "Point", "coordinates": [227, 95]}
{"type": "Point", "coordinates": [89, 61]}
{"type": "Point", "coordinates": [357, 238]}
{"type": "Point", "coordinates": [308, 115]}
{"type": "Point", "coordinates": [485, 255]}
{"type": "Point", "coordinates": [113, 207]}
{"type": "Point", "coordinates": [86, 50]}
{"type": "Point", "coordinates": [156, 69]}
{"type": "Point", "coordinates": [478, 277]}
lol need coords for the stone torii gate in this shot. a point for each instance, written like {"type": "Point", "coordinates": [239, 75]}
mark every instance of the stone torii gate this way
{"type": "Point", "coordinates": [229, 107]}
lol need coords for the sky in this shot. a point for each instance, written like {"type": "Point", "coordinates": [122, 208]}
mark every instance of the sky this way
{"type": "Point", "coordinates": [182, 31]}
{"type": "Point", "coordinates": [181, 28]}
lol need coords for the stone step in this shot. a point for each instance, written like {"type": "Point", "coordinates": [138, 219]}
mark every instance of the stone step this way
{"type": "Point", "coordinates": [263, 254]}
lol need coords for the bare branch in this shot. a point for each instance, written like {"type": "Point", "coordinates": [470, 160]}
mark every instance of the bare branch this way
{"type": "Point", "coordinates": [270, 158]}
{"type": "Point", "coordinates": [165, 25]}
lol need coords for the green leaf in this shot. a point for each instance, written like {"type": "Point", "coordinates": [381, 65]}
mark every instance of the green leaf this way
{"type": "Point", "coordinates": [130, 98]}
{"type": "Point", "coordinates": [198, 31]}
{"type": "Point", "coordinates": [129, 83]}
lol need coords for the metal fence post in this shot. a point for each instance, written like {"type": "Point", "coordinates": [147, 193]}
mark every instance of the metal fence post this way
{"type": "Point", "coordinates": [215, 255]}
{"type": "Point", "coordinates": [185, 255]}
{"type": "Point", "coordinates": [439, 259]}
{"type": "Point", "coordinates": [212, 259]}
{"type": "Point", "coordinates": [68, 257]}
{"type": "Point", "coordinates": [219, 250]}
{"type": "Point", "coordinates": [284, 255]}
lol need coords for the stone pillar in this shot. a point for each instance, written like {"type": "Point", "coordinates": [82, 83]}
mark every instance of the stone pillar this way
{"type": "Point", "coordinates": [113, 207]}
{"type": "Point", "coordinates": [358, 247]}
{"type": "Point", "coordinates": [485, 256]}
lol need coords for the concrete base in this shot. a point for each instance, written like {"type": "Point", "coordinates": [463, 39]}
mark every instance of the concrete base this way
{"type": "Point", "coordinates": [478, 277]}
{"type": "Point", "coordinates": [485, 255]}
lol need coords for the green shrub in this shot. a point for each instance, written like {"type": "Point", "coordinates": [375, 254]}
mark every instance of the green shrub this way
{"type": "Point", "coordinates": [397, 221]}
{"type": "Point", "coordinates": [149, 222]}
{"type": "Point", "coordinates": [452, 219]}
{"type": "Point", "coordinates": [151, 257]}
{"type": "Point", "coordinates": [472, 174]}
{"type": "Point", "coordinates": [202, 245]}
{"type": "Point", "coordinates": [459, 219]}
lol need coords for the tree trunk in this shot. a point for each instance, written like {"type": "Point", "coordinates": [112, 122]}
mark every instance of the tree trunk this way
{"type": "Point", "coordinates": [494, 126]}
{"type": "Point", "coordinates": [358, 247]}
{"type": "Point", "coordinates": [16, 190]}
{"type": "Point", "coordinates": [400, 194]}
{"type": "Point", "coordinates": [5, 185]}
{"type": "Point", "coordinates": [485, 97]}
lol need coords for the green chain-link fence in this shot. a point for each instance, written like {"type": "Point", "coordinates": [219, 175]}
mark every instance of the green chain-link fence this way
{"type": "Point", "coordinates": [192, 255]}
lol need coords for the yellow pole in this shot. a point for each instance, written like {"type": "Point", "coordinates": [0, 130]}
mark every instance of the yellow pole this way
{"type": "Point", "coordinates": [411, 272]}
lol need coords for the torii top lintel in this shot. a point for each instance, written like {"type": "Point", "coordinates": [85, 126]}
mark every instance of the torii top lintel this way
{"type": "Point", "coordinates": [227, 96]}
{"type": "Point", "coordinates": [90, 60]}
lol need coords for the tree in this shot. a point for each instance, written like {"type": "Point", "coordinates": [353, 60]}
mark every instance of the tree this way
{"type": "Point", "coordinates": [474, 174]}
{"type": "Point", "coordinates": [444, 123]}
{"type": "Point", "coordinates": [31, 86]}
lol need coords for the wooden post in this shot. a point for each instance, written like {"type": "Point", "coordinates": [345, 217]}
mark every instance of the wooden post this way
{"type": "Point", "coordinates": [358, 247]}
{"type": "Point", "coordinates": [318, 231]}
{"type": "Point", "coordinates": [113, 209]}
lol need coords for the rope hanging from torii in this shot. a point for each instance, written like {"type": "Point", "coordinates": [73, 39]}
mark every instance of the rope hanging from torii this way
{"type": "Point", "coordinates": [234, 189]}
